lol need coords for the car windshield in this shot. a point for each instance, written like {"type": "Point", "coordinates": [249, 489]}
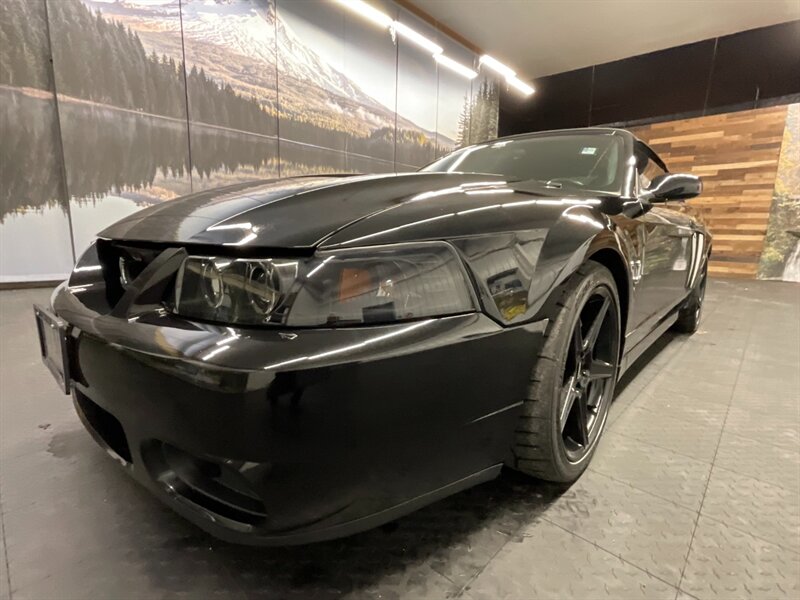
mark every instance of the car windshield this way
{"type": "Point", "coordinates": [585, 161]}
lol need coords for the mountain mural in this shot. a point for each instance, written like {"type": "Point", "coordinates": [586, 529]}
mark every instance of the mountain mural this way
{"type": "Point", "coordinates": [241, 44]}
{"type": "Point", "coordinates": [159, 98]}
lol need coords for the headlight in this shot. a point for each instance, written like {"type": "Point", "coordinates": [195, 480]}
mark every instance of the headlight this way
{"type": "Point", "coordinates": [348, 287]}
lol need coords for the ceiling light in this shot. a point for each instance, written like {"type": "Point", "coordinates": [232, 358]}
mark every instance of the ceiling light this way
{"type": "Point", "coordinates": [419, 39]}
{"type": "Point", "coordinates": [497, 66]}
{"type": "Point", "coordinates": [520, 85]}
{"type": "Point", "coordinates": [368, 12]}
{"type": "Point", "coordinates": [455, 66]}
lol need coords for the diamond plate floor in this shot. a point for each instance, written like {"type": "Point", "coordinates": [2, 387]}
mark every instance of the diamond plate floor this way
{"type": "Point", "coordinates": [694, 493]}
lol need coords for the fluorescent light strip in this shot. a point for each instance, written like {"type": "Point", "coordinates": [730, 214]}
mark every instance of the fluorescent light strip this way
{"type": "Point", "coordinates": [417, 38]}
{"type": "Point", "coordinates": [381, 19]}
{"type": "Point", "coordinates": [455, 66]}
{"type": "Point", "coordinates": [497, 66]}
{"type": "Point", "coordinates": [368, 12]}
{"type": "Point", "coordinates": [248, 238]}
{"type": "Point", "coordinates": [318, 267]}
{"type": "Point", "coordinates": [230, 226]}
{"type": "Point", "coordinates": [520, 85]}
{"type": "Point", "coordinates": [214, 352]}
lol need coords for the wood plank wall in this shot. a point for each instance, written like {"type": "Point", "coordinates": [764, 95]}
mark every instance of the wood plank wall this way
{"type": "Point", "coordinates": [736, 154]}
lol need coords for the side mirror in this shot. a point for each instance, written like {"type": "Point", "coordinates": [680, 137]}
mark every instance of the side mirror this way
{"type": "Point", "coordinates": [674, 186]}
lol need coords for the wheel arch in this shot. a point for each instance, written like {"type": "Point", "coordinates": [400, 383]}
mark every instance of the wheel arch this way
{"type": "Point", "coordinates": [612, 260]}
{"type": "Point", "coordinates": [540, 261]}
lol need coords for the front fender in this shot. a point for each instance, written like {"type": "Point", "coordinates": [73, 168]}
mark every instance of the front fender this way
{"type": "Point", "coordinates": [516, 273]}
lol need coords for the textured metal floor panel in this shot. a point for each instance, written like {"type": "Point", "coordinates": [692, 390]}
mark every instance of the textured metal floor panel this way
{"type": "Point", "coordinates": [694, 493]}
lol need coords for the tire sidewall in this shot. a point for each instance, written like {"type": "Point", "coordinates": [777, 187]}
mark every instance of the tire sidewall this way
{"type": "Point", "coordinates": [598, 277]}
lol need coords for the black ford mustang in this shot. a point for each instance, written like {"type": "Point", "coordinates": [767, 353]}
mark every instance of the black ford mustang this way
{"type": "Point", "coordinates": [295, 360]}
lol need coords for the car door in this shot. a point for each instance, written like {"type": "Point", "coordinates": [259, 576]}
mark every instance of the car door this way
{"type": "Point", "coordinates": [663, 259]}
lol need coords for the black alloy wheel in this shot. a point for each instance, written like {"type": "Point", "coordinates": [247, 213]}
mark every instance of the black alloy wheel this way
{"type": "Point", "coordinates": [588, 380]}
{"type": "Point", "coordinates": [573, 379]}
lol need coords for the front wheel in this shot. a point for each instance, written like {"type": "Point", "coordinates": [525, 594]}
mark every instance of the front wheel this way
{"type": "Point", "coordinates": [573, 379]}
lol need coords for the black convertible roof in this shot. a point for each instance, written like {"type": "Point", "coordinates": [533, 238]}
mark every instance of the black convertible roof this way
{"type": "Point", "coordinates": [574, 130]}
{"type": "Point", "coordinates": [591, 131]}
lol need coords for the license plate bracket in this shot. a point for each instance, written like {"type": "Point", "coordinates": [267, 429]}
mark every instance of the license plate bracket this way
{"type": "Point", "coordinates": [54, 345]}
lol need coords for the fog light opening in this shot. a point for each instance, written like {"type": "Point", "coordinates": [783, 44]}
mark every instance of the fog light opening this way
{"type": "Point", "coordinates": [216, 487]}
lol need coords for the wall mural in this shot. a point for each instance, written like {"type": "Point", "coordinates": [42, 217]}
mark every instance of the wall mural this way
{"type": "Point", "coordinates": [35, 238]}
{"type": "Point", "coordinates": [122, 110]}
{"type": "Point", "coordinates": [231, 88]}
{"type": "Point", "coordinates": [328, 59]}
{"type": "Point", "coordinates": [158, 98]}
{"type": "Point", "coordinates": [455, 93]}
{"type": "Point", "coordinates": [781, 256]}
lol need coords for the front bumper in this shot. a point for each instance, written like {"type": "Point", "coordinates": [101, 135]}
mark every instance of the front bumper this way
{"type": "Point", "coordinates": [280, 437]}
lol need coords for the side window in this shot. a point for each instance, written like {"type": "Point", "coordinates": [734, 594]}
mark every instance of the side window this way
{"type": "Point", "coordinates": [647, 169]}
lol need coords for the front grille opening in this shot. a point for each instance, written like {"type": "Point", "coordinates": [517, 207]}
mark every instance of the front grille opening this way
{"type": "Point", "coordinates": [217, 487]}
{"type": "Point", "coordinates": [106, 426]}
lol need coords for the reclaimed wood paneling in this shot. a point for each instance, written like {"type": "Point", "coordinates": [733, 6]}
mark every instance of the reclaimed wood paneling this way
{"type": "Point", "coordinates": [736, 154]}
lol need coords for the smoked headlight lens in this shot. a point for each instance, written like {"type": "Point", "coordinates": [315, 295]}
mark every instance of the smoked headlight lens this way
{"type": "Point", "coordinates": [349, 287]}
{"type": "Point", "coordinates": [233, 290]}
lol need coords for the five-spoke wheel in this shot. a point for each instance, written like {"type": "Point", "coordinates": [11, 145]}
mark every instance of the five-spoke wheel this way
{"type": "Point", "coordinates": [573, 379]}
{"type": "Point", "coordinates": [588, 375]}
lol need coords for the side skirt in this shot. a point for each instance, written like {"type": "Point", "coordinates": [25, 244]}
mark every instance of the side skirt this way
{"type": "Point", "coordinates": [634, 353]}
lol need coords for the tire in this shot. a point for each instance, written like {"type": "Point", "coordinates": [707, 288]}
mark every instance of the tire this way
{"type": "Point", "coordinates": [689, 316]}
{"type": "Point", "coordinates": [549, 441]}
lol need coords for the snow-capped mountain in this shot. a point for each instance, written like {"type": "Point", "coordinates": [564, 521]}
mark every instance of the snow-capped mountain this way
{"type": "Point", "coordinates": [250, 30]}
{"type": "Point", "coordinates": [236, 41]}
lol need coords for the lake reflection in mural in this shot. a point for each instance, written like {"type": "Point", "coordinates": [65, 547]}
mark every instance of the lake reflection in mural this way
{"type": "Point", "coordinates": [35, 239]}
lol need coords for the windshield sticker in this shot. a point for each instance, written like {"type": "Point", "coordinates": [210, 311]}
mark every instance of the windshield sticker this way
{"type": "Point", "coordinates": [589, 150]}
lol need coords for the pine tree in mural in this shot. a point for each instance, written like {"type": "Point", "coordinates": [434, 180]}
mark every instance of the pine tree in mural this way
{"type": "Point", "coordinates": [103, 61]}
{"type": "Point", "coordinates": [478, 119]}
{"type": "Point", "coordinates": [484, 113]}
{"type": "Point", "coordinates": [462, 137]}
{"type": "Point", "coordinates": [494, 112]}
{"type": "Point", "coordinates": [23, 32]}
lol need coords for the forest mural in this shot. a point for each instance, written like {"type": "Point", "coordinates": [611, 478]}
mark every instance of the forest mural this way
{"type": "Point", "coordinates": [158, 98]}
{"type": "Point", "coordinates": [35, 240]}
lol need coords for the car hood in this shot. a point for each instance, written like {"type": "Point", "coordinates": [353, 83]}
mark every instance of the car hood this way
{"type": "Point", "coordinates": [307, 212]}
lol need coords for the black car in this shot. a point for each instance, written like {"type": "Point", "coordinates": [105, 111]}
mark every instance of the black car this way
{"type": "Point", "coordinates": [294, 360]}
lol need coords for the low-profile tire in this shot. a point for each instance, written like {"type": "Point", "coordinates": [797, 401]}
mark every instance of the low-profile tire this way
{"type": "Point", "coordinates": [573, 379]}
{"type": "Point", "coordinates": [689, 316]}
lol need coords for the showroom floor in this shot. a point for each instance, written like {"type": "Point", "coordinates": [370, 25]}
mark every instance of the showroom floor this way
{"type": "Point", "coordinates": [695, 492]}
